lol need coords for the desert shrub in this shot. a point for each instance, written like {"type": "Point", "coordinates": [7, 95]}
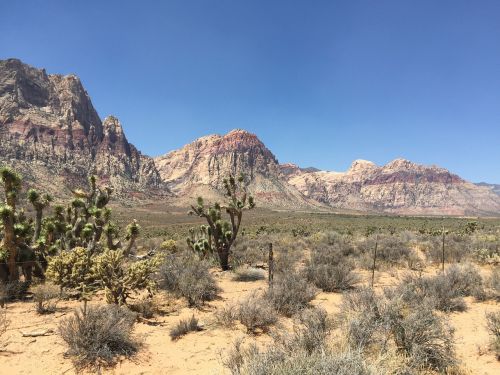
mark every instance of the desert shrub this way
{"type": "Point", "coordinates": [184, 327]}
{"type": "Point", "coordinates": [424, 337]}
{"type": "Point", "coordinates": [145, 307]}
{"type": "Point", "coordinates": [226, 315]}
{"type": "Point", "coordinates": [443, 291]}
{"type": "Point", "coordinates": [169, 246]}
{"type": "Point", "coordinates": [186, 276]}
{"type": "Point", "coordinates": [45, 297]}
{"type": "Point", "coordinates": [317, 363]}
{"type": "Point", "coordinates": [311, 332]}
{"type": "Point", "coordinates": [458, 248]}
{"type": "Point", "coordinates": [256, 313]}
{"type": "Point", "coordinates": [12, 290]}
{"type": "Point", "coordinates": [290, 293]}
{"type": "Point", "coordinates": [493, 326]}
{"type": "Point", "coordinates": [249, 251]}
{"type": "Point", "coordinates": [99, 335]}
{"type": "Point", "coordinates": [361, 315]}
{"type": "Point", "coordinates": [341, 243]}
{"type": "Point", "coordinates": [491, 287]}
{"type": "Point", "coordinates": [486, 249]}
{"type": "Point", "coordinates": [248, 274]}
{"type": "Point", "coordinates": [4, 323]}
{"type": "Point", "coordinates": [378, 323]}
{"type": "Point", "coordinates": [329, 270]}
{"type": "Point", "coordinates": [278, 359]}
{"type": "Point", "coordinates": [392, 250]}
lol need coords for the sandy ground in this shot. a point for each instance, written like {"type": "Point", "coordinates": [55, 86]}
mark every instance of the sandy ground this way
{"type": "Point", "coordinates": [201, 352]}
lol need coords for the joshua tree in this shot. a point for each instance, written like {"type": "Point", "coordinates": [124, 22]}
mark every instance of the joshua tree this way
{"type": "Point", "coordinates": [220, 234]}
{"type": "Point", "coordinates": [39, 204]}
{"type": "Point", "coordinates": [12, 185]}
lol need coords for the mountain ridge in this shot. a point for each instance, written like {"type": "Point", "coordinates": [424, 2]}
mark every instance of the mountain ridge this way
{"type": "Point", "coordinates": [51, 133]}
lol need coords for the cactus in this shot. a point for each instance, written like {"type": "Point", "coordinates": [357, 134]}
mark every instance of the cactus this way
{"type": "Point", "coordinates": [71, 235]}
{"type": "Point", "coordinates": [39, 204]}
{"type": "Point", "coordinates": [12, 185]}
{"type": "Point", "coordinates": [220, 234]}
{"type": "Point", "coordinates": [119, 281]}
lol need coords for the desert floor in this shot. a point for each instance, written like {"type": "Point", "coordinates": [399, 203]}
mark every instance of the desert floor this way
{"type": "Point", "coordinates": [202, 352]}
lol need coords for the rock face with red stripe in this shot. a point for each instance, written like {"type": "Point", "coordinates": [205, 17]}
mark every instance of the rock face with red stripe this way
{"type": "Point", "coordinates": [399, 187]}
{"type": "Point", "coordinates": [199, 168]}
{"type": "Point", "coordinates": [50, 130]}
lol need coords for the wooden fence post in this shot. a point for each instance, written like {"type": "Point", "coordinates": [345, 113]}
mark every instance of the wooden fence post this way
{"type": "Point", "coordinates": [374, 260]}
{"type": "Point", "coordinates": [271, 265]}
{"type": "Point", "coordinates": [442, 255]}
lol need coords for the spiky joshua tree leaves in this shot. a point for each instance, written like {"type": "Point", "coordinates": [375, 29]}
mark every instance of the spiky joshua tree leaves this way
{"type": "Point", "coordinates": [15, 245]}
{"type": "Point", "coordinates": [219, 234]}
{"type": "Point", "coordinates": [78, 244]}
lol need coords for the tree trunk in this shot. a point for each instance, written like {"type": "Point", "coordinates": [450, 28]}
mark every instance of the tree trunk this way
{"type": "Point", "coordinates": [38, 225]}
{"type": "Point", "coordinates": [10, 245]}
{"type": "Point", "coordinates": [224, 259]}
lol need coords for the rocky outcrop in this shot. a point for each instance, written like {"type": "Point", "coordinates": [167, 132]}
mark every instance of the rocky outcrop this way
{"type": "Point", "coordinates": [49, 127]}
{"type": "Point", "coordinates": [399, 187]}
{"type": "Point", "coordinates": [201, 166]}
{"type": "Point", "coordinates": [494, 187]}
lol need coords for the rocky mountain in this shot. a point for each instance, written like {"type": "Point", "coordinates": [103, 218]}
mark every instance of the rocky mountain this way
{"type": "Point", "coordinates": [400, 187]}
{"type": "Point", "coordinates": [494, 187]}
{"type": "Point", "coordinates": [51, 133]}
{"type": "Point", "coordinates": [200, 167]}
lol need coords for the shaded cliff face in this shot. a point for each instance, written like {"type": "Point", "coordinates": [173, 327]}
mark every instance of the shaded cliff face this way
{"type": "Point", "coordinates": [48, 125]}
{"type": "Point", "coordinates": [201, 166]}
{"type": "Point", "coordinates": [399, 187]}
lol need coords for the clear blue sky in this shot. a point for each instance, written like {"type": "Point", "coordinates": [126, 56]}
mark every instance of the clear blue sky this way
{"type": "Point", "coordinates": [320, 82]}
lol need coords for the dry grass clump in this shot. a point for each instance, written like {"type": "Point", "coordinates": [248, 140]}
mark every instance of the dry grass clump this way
{"type": "Point", "coordinates": [379, 324]}
{"type": "Point", "coordinates": [444, 292]}
{"type": "Point", "coordinates": [458, 248]}
{"type": "Point", "coordinates": [12, 290]}
{"type": "Point", "coordinates": [492, 286]}
{"type": "Point", "coordinates": [187, 276]}
{"type": "Point", "coordinates": [184, 327]}
{"type": "Point", "coordinates": [98, 336]}
{"type": "Point", "coordinates": [249, 251]}
{"type": "Point", "coordinates": [493, 325]}
{"type": "Point", "coordinates": [256, 313]}
{"type": "Point", "coordinates": [290, 293]}
{"type": "Point", "coordinates": [4, 323]}
{"type": "Point", "coordinates": [145, 307]}
{"type": "Point", "coordinates": [247, 274]}
{"type": "Point", "coordinates": [226, 315]}
{"type": "Point", "coordinates": [305, 351]}
{"type": "Point", "coordinates": [45, 297]}
{"type": "Point", "coordinates": [331, 271]}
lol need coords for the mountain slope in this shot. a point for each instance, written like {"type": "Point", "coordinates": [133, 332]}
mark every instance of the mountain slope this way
{"type": "Point", "coordinates": [399, 187]}
{"type": "Point", "coordinates": [200, 167]}
{"type": "Point", "coordinates": [49, 130]}
{"type": "Point", "coordinates": [494, 187]}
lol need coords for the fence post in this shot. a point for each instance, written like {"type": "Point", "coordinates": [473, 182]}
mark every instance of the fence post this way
{"type": "Point", "coordinates": [442, 255]}
{"type": "Point", "coordinates": [271, 265]}
{"type": "Point", "coordinates": [374, 260]}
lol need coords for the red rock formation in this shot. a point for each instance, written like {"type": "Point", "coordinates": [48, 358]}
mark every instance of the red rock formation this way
{"type": "Point", "coordinates": [48, 125]}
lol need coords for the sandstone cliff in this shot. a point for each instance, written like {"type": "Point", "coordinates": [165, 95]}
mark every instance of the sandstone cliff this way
{"type": "Point", "coordinates": [399, 187]}
{"type": "Point", "coordinates": [50, 131]}
{"type": "Point", "coordinates": [200, 167]}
